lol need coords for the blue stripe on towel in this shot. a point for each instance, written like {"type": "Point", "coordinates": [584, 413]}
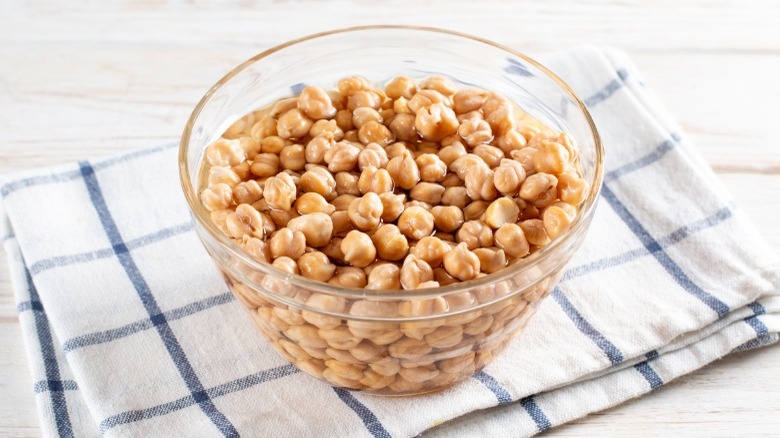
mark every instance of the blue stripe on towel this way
{"type": "Point", "coordinates": [541, 420]}
{"type": "Point", "coordinates": [369, 419]}
{"type": "Point", "coordinates": [612, 352]}
{"type": "Point", "coordinates": [502, 395]}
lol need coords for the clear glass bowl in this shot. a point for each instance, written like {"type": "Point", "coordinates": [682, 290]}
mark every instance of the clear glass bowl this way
{"type": "Point", "coordinates": [389, 342]}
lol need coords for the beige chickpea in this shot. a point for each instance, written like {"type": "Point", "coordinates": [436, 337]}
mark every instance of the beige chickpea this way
{"type": "Point", "coordinates": [445, 337]}
{"type": "Point", "coordinates": [501, 120]}
{"type": "Point", "coordinates": [552, 157]}
{"type": "Point", "coordinates": [475, 234]}
{"type": "Point", "coordinates": [511, 238]}
{"type": "Point", "coordinates": [451, 153]}
{"type": "Point", "coordinates": [349, 276]}
{"type": "Point", "coordinates": [217, 197]}
{"type": "Point", "coordinates": [347, 183]}
{"type": "Point", "coordinates": [426, 98]}
{"type": "Point", "coordinates": [494, 101]}
{"type": "Point", "coordinates": [572, 188]}
{"type": "Point", "coordinates": [467, 163]}
{"type": "Point", "coordinates": [413, 203]}
{"type": "Point", "coordinates": [282, 217]}
{"type": "Point", "coordinates": [279, 191]}
{"type": "Point", "coordinates": [283, 105]}
{"type": "Point", "coordinates": [358, 249]}
{"type": "Point", "coordinates": [491, 259]}
{"type": "Point", "coordinates": [353, 84]}
{"type": "Point", "coordinates": [372, 155]}
{"type": "Point", "coordinates": [368, 351]}
{"type": "Point", "coordinates": [247, 192]}
{"type": "Point", "coordinates": [223, 175]}
{"type": "Point", "coordinates": [293, 157]}
{"type": "Point", "coordinates": [318, 180]}
{"type": "Point", "coordinates": [398, 148]}
{"type": "Point", "coordinates": [268, 223]}
{"type": "Point", "coordinates": [312, 202]}
{"type": "Point", "coordinates": [317, 227]}
{"type": "Point", "coordinates": [273, 144]}
{"type": "Point", "coordinates": [441, 276]}
{"type": "Point", "coordinates": [431, 249]}
{"type": "Point", "coordinates": [400, 86]}
{"type": "Point", "coordinates": [392, 205]}
{"type": "Point", "coordinates": [416, 222]}
{"type": "Point", "coordinates": [363, 115]}
{"type": "Point", "coordinates": [475, 131]}
{"type": "Point", "coordinates": [363, 99]}
{"type": "Point", "coordinates": [344, 120]}
{"type": "Point", "coordinates": [341, 202]}
{"type": "Point", "coordinates": [415, 271]}
{"type": "Point", "coordinates": [287, 265]}
{"type": "Point", "coordinates": [224, 152]}
{"type": "Point", "coordinates": [327, 128]}
{"type": "Point", "coordinates": [442, 84]}
{"type": "Point", "coordinates": [540, 189]}
{"type": "Point", "coordinates": [339, 338]}
{"type": "Point", "coordinates": [265, 127]}
{"type": "Point", "coordinates": [404, 170]}
{"type": "Point", "coordinates": [403, 127]}
{"type": "Point", "coordinates": [256, 248]}
{"type": "Point", "coordinates": [333, 248]}
{"type": "Point", "coordinates": [491, 155]}
{"type": "Point", "coordinates": [447, 218]}
{"type": "Point", "coordinates": [511, 141]}
{"type": "Point", "coordinates": [557, 218]}
{"type": "Point", "coordinates": [265, 165]}
{"type": "Point", "coordinates": [436, 121]}
{"type": "Point", "coordinates": [317, 147]}
{"type": "Point", "coordinates": [427, 192]}
{"type": "Point", "coordinates": [375, 132]}
{"type": "Point", "coordinates": [535, 232]}
{"type": "Point", "coordinates": [316, 103]}
{"type": "Point", "coordinates": [400, 106]}
{"type": "Point", "coordinates": [366, 211]}
{"type": "Point", "coordinates": [293, 124]}
{"type": "Point", "coordinates": [245, 221]}
{"type": "Point", "coordinates": [468, 99]}
{"type": "Point", "coordinates": [455, 196]}
{"type": "Point", "coordinates": [376, 381]}
{"type": "Point", "coordinates": [326, 303]}
{"type": "Point", "coordinates": [432, 168]}
{"type": "Point", "coordinates": [375, 180]}
{"type": "Point", "coordinates": [475, 210]}
{"type": "Point", "coordinates": [525, 156]}
{"type": "Point", "coordinates": [390, 243]}
{"type": "Point", "coordinates": [240, 126]}
{"type": "Point", "coordinates": [461, 263]}
{"type": "Point", "coordinates": [317, 266]}
{"type": "Point", "coordinates": [471, 115]}
{"type": "Point", "coordinates": [383, 277]}
{"type": "Point", "coordinates": [508, 177]}
{"type": "Point", "coordinates": [341, 156]}
{"type": "Point", "coordinates": [287, 243]}
{"type": "Point", "coordinates": [501, 211]}
{"type": "Point", "coordinates": [250, 145]}
{"type": "Point", "coordinates": [479, 183]}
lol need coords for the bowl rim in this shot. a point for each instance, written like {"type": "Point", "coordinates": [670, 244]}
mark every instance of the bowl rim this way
{"type": "Point", "coordinates": [202, 216]}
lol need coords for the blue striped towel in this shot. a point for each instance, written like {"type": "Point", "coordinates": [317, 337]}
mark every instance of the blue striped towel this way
{"type": "Point", "coordinates": [130, 330]}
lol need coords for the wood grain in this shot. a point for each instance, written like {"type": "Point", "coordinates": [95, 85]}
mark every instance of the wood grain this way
{"type": "Point", "coordinates": [82, 79]}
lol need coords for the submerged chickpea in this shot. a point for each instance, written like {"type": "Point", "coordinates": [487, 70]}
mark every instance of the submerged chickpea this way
{"type": "Point", "coordinates": [287, 243]}
{"type": "Point", "coordinates": [245, 221]}
{"type": "Point", "coordinates": [293, 157]}
{"type": "Point", "coordinates": [217, 197]}
{"type": "Point", "coordinates": [475, 234]}
{"type": "Point", "coordinates": [535, 232]}
{"type": "Point", "coordinates": [317, 147]}
{"type": "Point", "coordinates": [375, 132]}
{"type": "Point", "coordinates": [461, 263]}
{"type": "Point", "coordinates": [316, 103]}
{"type": "Point", "coordinates": [347, 183]}
{"type": "Point", "coordinates": [432, 168]}
{"type": "Point", "coordinates": [509, 176]}
{"type": "Point", "coordinates": [342, 156]}
{"type": "Point", "coordinates": [224, 152]}
{"type": "Point", "coordinates": [365, 212]}
{"type": "Point", "coordinates": [319, 180]}
{"type": "Point", "coordinates": [557, 218]}
{"type": "Point", "coordinates": [502, 211]}
{"type": "Point", "coordinates": [392, 205]}
{"type": "Point", "coordinates": [415, 271]}
{"type": "Point", "coordinates": [312, 202]}
{"type": "Point", "coordinates": [317, 227]}
{"type": "Point", "coordinates": [436, 121]}
{"type": "Point", "coordinates": [491, 259]}
{"type": "Point", "coordinates": [247, 192]}
{"type": "Point", "coordinates": [385, 276]}
{"type": "Point", "coordinates": [315, 265]}
{"type": "Point", "coordinates": [293, 124]}
{"type": "Point", "coordinates": [540, 189]}
{"type": "Point", "coordinates": [447, 218]}
{"type": "Point", "coordinates": [416, 222]}
{"type": "Point", "coordinates": [475, 131]}
{"type": "Point", "coordinates": [279, 191]}
{"type": "Point", "coordinates": [400, 86]}
{"type": "Point", "coordinates": [372, 155]}
{"type": "Point", "coordinates": [431, 249]}
{"type": "Point", "coordinates": [511, 238]}
{"type": "Point", "coordinates": [429, 193]}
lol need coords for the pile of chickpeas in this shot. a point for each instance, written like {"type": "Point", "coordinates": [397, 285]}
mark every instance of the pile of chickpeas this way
{"type": "Point", "coordinates": [419, 184]}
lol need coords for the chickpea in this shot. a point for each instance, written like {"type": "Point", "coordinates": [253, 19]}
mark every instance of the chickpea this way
{"type": "Point", "coordinates": [287, 243]}
{"type": "Point", "coordinates": [287, 265]}
{"type": "Point", "coordinates": [467, 163]}
{"type": "Point", "coordinates": [282, 217]}
{"type": "Point", "coordinates": [333, 248]}
{"type": "Point", "coordinates": [447, 218]}
{"type": "Point", "coordinates": [502, 120]}
{"type": "Point", "coordinates": [557, 218]}
{"type": "Point", "coordinates": [265, 165]}
{"type": "Point", "coordinates": [511, 238]}
{"type": "Point", "coordinates": [358, 249]}
{"type": "Point", "coordinates": [222, 175]}
{"type": "Point", "coordinates": [475, 234]}
{"type": "Point", "coordinates": [250, 145]}
{"type": "Point", "coordinates": [572, 188]}
{"type": "Point", "coordinates": [398, 148]}
{"type": "Point", "coordinates": [375, 132]}
{"type": "Point", "coordinates": [293, 124]}
{"type": "Point", "coordinates": [342, 156]}
{"type": "Point", "coordinates": [535, 232]}
{"type": "Point", "coordinates": [316, 103]}
{"type": "Point", "coordinates": [468, 99]}
{"type": "Point", "coordinates": [479, 183]}
{"type": "Point", "coordinates": [552, 157]}
{"type": "Point", "coordinates": [217, 197]}
{"type": "Point", "coordinates": [511, 141]}
{"type": "Point", "coordinates": [509, 176]}
{"type": "Point", "coordinates": [455, 196]}
{"type": "Point", "coordinates": [525, 156]}
{"type": "Point", "coordinates": [372, 155]}
{"type": "Point", "coordinates": [283, 105]}
{"type": "Point", "coordinates": [416, 222]}
{"type": "Point", "coordinates": [318, 180]}
{"type": "Point", "coordinates": [224, 152]}
{"type": "Point", "coordinates": [351, 85]}
{"type": "Point", "coordinates": [491, 155]}
{"type": "Point", "coordinates": [363, 99]}
{"type": "Point", "coordinates": [430, 193]}
{"type": "Point", "coordinates": [400, 87]}
{"type": "Point", "coordinates": [383, 277]}
{"type": "Point", "coordinates": [403, 127]}
{"type": "Point", "coordinates": [347, 183]}
{"type": "Point", "coordinates": [400, 106]}
{"type": "Point", "coordinates": [341, 202]}
{"type": "Point", "coordinates": [439, 83]}
{"type": "Point", "coordinates": [317, 227]}
{"type": "Point", "coordinates": [431, 249]}
{"type": "Point", "coordinates": [432, 168]}
{"type": "Point", "coordinates": [436, 121]}
{"type": "Point", "coordinates": [390, 243]}
{"type": "Point", "coordinates": [365, 212]}
{"type": "Point", "coordinates": [475, 210]}
{"type": "Point", "coordinates": [426, 98]}
{"type": "Point", "coordinates": [273, 144]}
{"type": "Point", "coordinates": [471, 115]}
{"type": "Point", "coordinates": [451, 153]}
{"type": "Point", "coordinates": [363, 115]}
{"type": "Point", "coordinates": [404, 170]}
{"type": "Point", "coordinates": [317, 147]}
{"type": "Point", "coordinates": [501, 211]}
{"type": "Point", "coordinates": [461, 263]}
{"type": "Point", "coordinates": [424, 205]}
{"type": "Point", "coordinates": [344, 120]}
{"type": "Point", "coordinates": [315, 265]}
{"type": "Point", "coordinates": [279, 191]}
{"type": "Point", "coordinates": [494, 101]}
{"type": "Point", "coordinates": [441, 276]}
{"type": "Point", "coordinates": [444, 337]}
{"type": "Point", "coordinates": [327, 128]}
{"type": "Point", "coordinates": [247, 192]}
{"type": "Point", "coordinates": [375, 180]}
{"type": "Point", "coordinates": [491, 259]}
{"type": "Point", "coordinates": [415, 271]}
{"type": "Point", "coordinates": [312, 202]}
{"type": "Point", "coordinates": [245, 221]}
{"type": "Point", "coordinates": [392, 205]}
{"type": "Point", "coordinates": [256, 248]}
{"type": "Point", "coordinates": [293, 157]}
{"type": "Point", "coordinates": [475, 131]}
{"type": "Point", "coordinates": [540, 189]}
{"type": "Point", "coordinates": [265, 127]}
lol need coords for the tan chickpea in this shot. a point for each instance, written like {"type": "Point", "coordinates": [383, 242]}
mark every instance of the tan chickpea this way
{"type": "Point", "coordinates": [390, 243]}
{"type": "Point", "coordinates": [312, 202]}
{"type": "Point", "coordinates": [400, 106]}
{"type": "Point", "coordinates": [572, 188]}
{"type": "Point", "coordinates": [479, 183]}
{"type": "Point", "coordinates": [501, 211]}
{"type": "Point", "coordinates": [363, 115]}
{"type": "Point", "coordinates": [416, 222]}
{"type": "Point", "coordinates": [441, 276]}
{"type": "Point", "coordinates": [557, 218]}
{"type": "Point", "coordinates": [245, 221]}
{"type": "Point", "coordinates": [364, 99]}
{"type": "Point", "coordinates": [328, 128]}
{"type": "Point", "coordinates": [475, 234]}
{"type": "Point", "coordinates": [217, 197]}
{"type": "Point", "coordinates": [341, 156]}
{"type": "Point", "coordinates": [293, 157]}
{"type": "Point", "coordinates": [247, 192]}
{"type": "Point", "coordinates": [273, 144]}
{"type": "Point", "coordinates": [525, 156]}
{"type": "Point", "coordinates": [431, 249]}
{"type": "Point", "coordinates": [283, 105]}
{"type": "Point", "coordinates": [403, 127]}
{"type": "Point", "coordinates": [475, 131]}
{"type": "Point", "coordinates": [222, 175]}
{"type": "Point", "coordinates": [347, 183]}
{"type": "Point", "coordinates": [287, 243]}
{"type": "Point", "coordinates": [241, 170]}
{"type": "Point", "coordinates": [365, 212]}
{"type": "Point", "coordinates": [293, 124]}
{"type": "Point", "coordinates": [511, 141]}
{"type": "Point", "coordinates": [467, 163]}
{"type": "Point", "coordinates": [224, 152]}
{"type": "Point", "coordinates": [502, 120]}
{"type": "Point", "coordinates": [426, 98]}
{"type": "Point", "coordinates": [452, 180]}
{"type": "Point", "coordinates": [475, 210]}
{"type": "Point", "coordinates": [491, 259]}
{"type": "Point", "coordinates": [250, 145]}
{"type": "Point", "coordinates": [540, 189]}
{"type": "Point", "coordinates": [509, 176]}
{"type": "Point", "coordinates": [494, 101]}
{"type": "Point", "coordinates": [358, 249]}
{"type": "Point", "coordinates": [256, 248]}
{"type": "Point", "coordinates": [400, 86]}
{"type": "Point", "coordinates": [265, 165]}
{"type": "Point", "coordinates": [468, 99]}
{"type": "Point", "coordinates": [333, 248]}
{"type": "Point", "coordinates": [455, 196]}
{"type": "Point", "coordinates": [552, 157]}
{"type": "Point", "coordinates": [413, 203]}
{"type": "Point", "coordinates": [282, 217]}
{"type": "Point", "coordinates": [316, 103]}
{"type": "Point", "coordinates": [349, 86]}
{"type": "Point", "coordinates": [319, 180]}
{"type": "Point", "coordinates": [375, 180]}
{"type": "Point", "coordinates": [430, 193]}
{"type": "Point", "coordinates": [534, 231]}
{"type": "Point", "coordinates": [447, 218]}
{"type": "Point", "coordinates": [265, 127]}
{"type": "Point", "coordinates": [415, 271]}
{"type": "Point", "coordinates": [315, 265]}
{"type": "Point", "coordinates": [317, 227]}
{"type": "Point", "coordinates": [451, 153]}
{"type": "Point", "coordinates": [491, 155]}
{"type": "Point", "coordinates": [511, 238]}
{"type": "Point", "coordinates": [317, 147]}
{"type": "Point", "coordinates": [432, 168]}
{"type": "Point", "coordinates": [375, 132]}
{"type": "Point", "coordinates": [279, 191]}
{"type": "Point", "coordinates": [383, 277]}
{"type": "Point", "coordinates": [442, 84]}
{"type": "Point", "coordinates": [341, 202]}
{"type": "Point", "coordinates": [436, 121]}
{"type": "Point", "coordinates": [287, 265]}
{"type": "Point", "coordinates": [372, 155]}
{"type": "Point", "coordinates": [404, 170]}
{"type": "Point", "coordinates": [392, 205]}
{"type": "Point", "coordinates": [461, 263]}
{"type": "Point", "coordinates": [445, 337]}
{"type": "Point", "coordinates": [398, 148]}
{"type": "Point", "coordinates": [471, 115]}
{"type": "Point", "coordinates": [344, 120]}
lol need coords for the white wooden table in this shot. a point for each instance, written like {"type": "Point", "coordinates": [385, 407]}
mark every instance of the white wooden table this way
{"type": "Point", "coordinates": [79, 80]}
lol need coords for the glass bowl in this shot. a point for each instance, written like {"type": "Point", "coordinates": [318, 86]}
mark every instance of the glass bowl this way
{"type": "Point", "coordinates": [396, 342]}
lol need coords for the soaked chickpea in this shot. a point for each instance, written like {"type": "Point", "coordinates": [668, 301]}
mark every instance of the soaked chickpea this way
{"type": "Point", "coordinates": [392, 205]}
{"type": "Point", "coordinates": [511, 238]}
{"type": "Point", "coordinates": [375, 132]}
{"type": "Point", "coordinates": [316, 103]}
{"type": "Point", "coordinates": [491, 259]}
{"type": "Point", "coordinates": [432, 168]}
{"type": "Point", "coordinates": [535, 232]}
{"type": "Point", "coordinates": [404, 170]}
{"type": "Point", "coordinates": [431, 249]}
{"type": "Point", "coordinates": [416, 223]}
{"type": "Point", "coordinates": [366, 211]}
{"type": "Point", "coordinates": [375, 180]}
{"type": "Point", "coordinates": [436, 121]}
{"type": "Point", "coordinates": [287, 243]}
{"type": "Point", "coordinates": [461, 263]}
{"type": "Point", "coordinates": [293, 124]}
{"type": "Point", "coordinates": [475, 234]}
{"type": "Point", "coordinates": [217, 197]}
{"type": "Point", "coordinates": [509, 176]}
{"type": "Point", "coordinates": [347, 183]}
{"type": "Point", "coordinates": [475, 131]}
{"type": "Point", "coordinates": [372, 155]}
{"type": "Point", "coordinates": [316, 227]}
{"type": "Point", "coordinates": [247, 192]}
{"type": "Point", "coordinates": [540, 189]}
{"type": "Point", "coordinates": [245, 220]}
{"type": "Point", "coordinates": [390, 243]}
{"type": "Point", "coordinates": [447, 218]}
{"type": "Point", "coordinates": [279, 191]}
{"type": "Point", "coordinates": [403, 126]}
{"type": "Point", "coordinates": [385, 276]}
{"type": "Point", "coordinates": [224, 152]}
{"type": "Point", "coordinates": [317, 147]}
{"type": "Point", "coordinates": [318, 180]}
{"type": "Point", "coordinates": [427, 192]}
{"type": "Point", "coordinates": [358, 249]}
{"type": "Point", "coordinates": [317, 266]}
{"type": "Point", "coordinates": [468, 99]}
{"type": "Point", "coordinates": [414, 272]}
{"type": "Point", "coordinates": [501, 211]}
{"type": "Point", "coordinates": [293, 157]}
{"type": "Point", "coordinates": [312, 202]}
{"type": "Point", "coordinates": [342, 156]}
{"type": "Point", "coordinates": [557, 218]}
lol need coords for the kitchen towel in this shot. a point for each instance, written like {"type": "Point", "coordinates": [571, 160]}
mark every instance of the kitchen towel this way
{"type": "Point", "coordinates": [131, 331]}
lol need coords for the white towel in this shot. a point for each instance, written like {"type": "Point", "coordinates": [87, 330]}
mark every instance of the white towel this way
{"type": "Point", "coordinates": [140, 336]}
